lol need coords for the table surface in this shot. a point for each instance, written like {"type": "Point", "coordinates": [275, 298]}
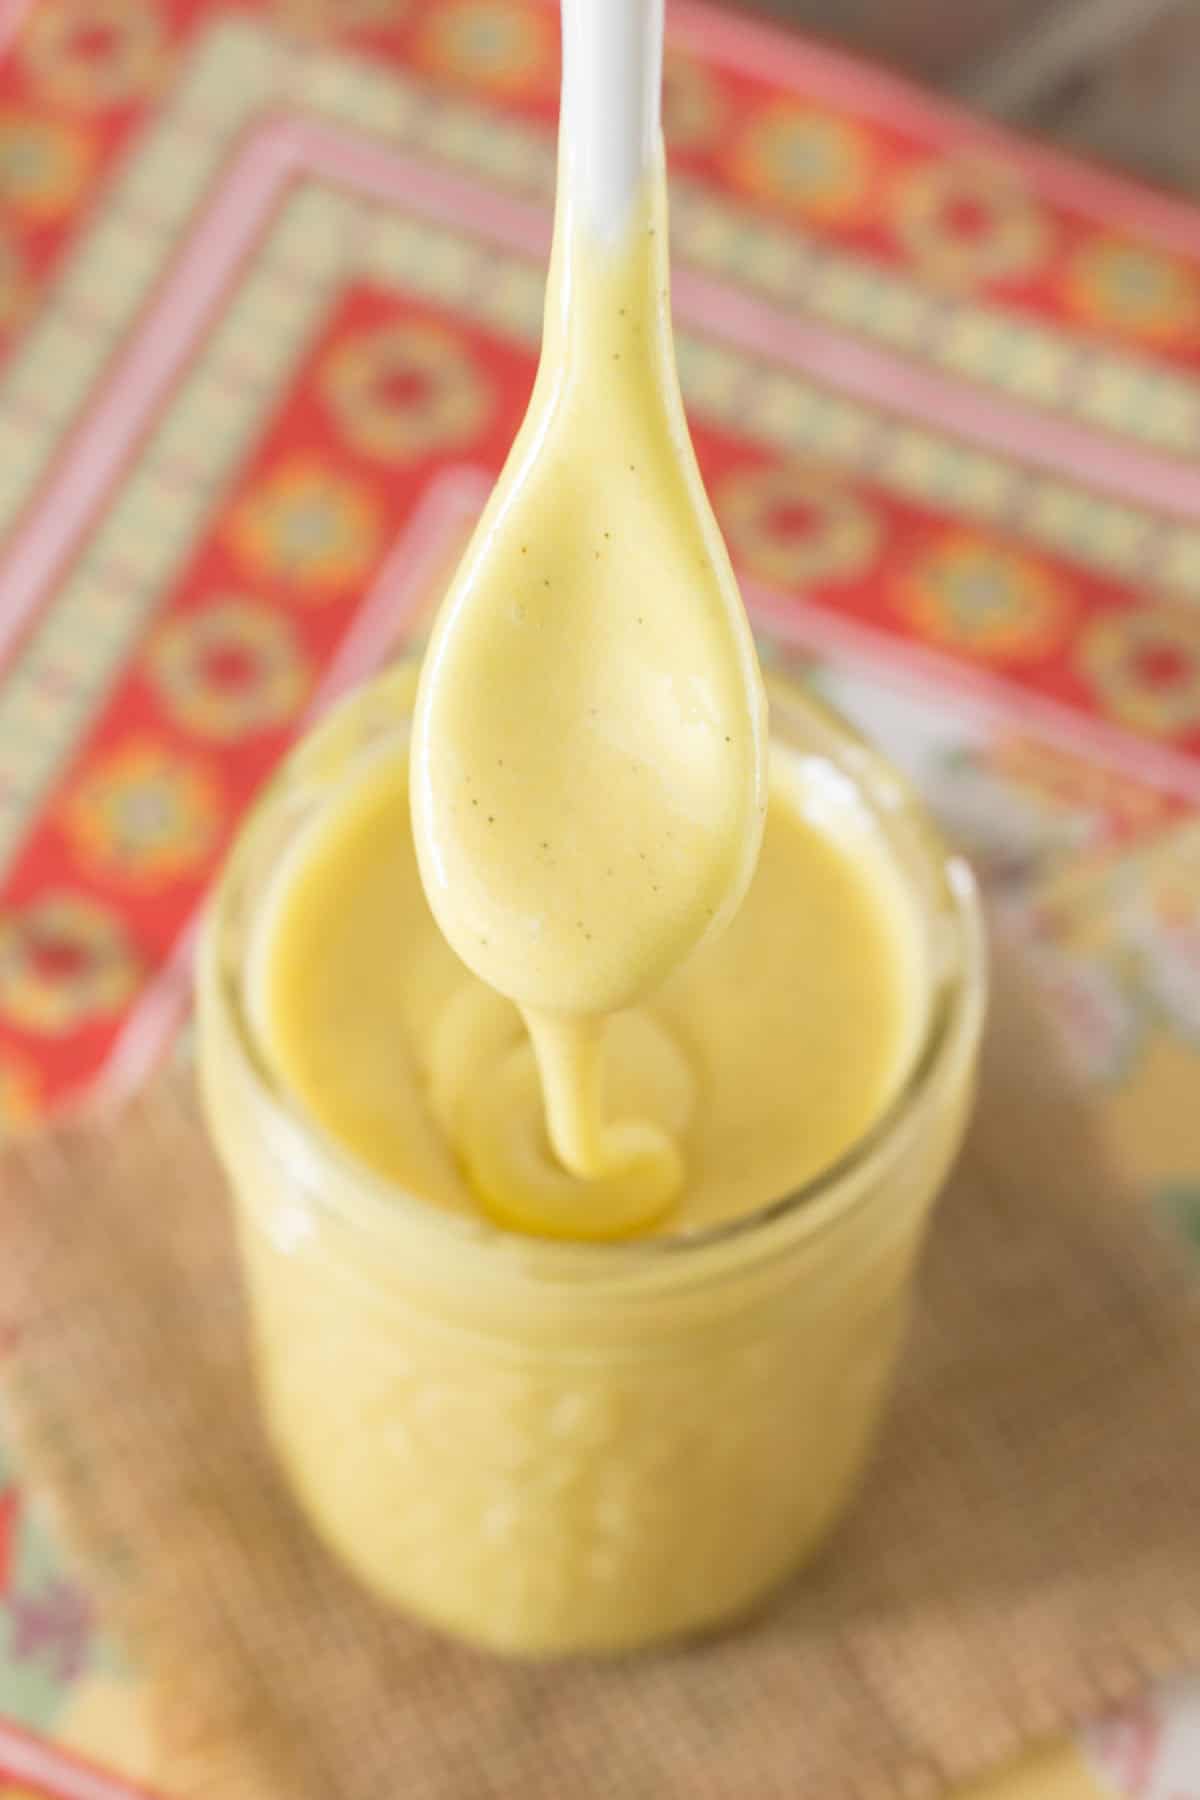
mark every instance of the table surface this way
{"type": "Point", "coordinates": [270, 279]}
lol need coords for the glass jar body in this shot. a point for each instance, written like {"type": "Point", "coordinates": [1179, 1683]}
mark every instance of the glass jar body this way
{"type": "Point", "coordinates": [551, 1448]}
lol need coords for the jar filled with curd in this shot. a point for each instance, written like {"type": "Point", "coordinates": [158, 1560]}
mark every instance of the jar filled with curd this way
{"type": "Point", "coordinates": [540, 1441]}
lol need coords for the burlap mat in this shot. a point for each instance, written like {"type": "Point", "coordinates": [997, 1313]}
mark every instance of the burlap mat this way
{"type": "Point", "coordinates": [1027, 1549]}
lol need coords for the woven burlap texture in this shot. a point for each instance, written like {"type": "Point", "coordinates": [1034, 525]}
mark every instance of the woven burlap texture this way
{"type": "Point", "coordinates": [1026, 1550]}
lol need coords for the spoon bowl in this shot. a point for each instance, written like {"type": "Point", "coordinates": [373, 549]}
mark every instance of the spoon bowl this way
{"type": "Point", "coordinates": [588, 760]}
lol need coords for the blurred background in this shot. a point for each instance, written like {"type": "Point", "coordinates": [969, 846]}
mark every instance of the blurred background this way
{"type": "Point", "coordinates": [1112, 78]}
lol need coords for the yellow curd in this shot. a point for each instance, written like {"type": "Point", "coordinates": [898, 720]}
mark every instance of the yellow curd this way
{"type": "Point", "coordinates": [768, 1053]}
{"type": "Point", "coordinates": [547, 1445]}
{"type": "Point", "coordinates": [588, 760]}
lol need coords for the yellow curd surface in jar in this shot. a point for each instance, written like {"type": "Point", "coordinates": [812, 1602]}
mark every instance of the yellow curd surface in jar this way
{"type": "Point", "coordinates": [762, 1058]}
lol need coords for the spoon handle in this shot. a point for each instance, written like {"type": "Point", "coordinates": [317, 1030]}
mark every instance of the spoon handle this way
{"type": "Point", "coordinates": [611, 106]}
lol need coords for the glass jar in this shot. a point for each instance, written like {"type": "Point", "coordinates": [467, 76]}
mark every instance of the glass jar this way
{"type": "Point", "coordinates": [550, 1447]}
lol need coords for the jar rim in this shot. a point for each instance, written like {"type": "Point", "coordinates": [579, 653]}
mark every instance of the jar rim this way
{"type": "Point", "coordinates": [949, 1036]}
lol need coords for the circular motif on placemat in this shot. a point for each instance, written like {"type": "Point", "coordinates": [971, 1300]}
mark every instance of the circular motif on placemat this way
{"type": "Point", "coordinates": [93, 54]}
{"type": "Point", "coordinates": [969, 220]}
{"type": "Point", "coordinates": [493, 44]}
{"type": "Point", "coordinates": [793, 524]}
{"type": "Point", "coordinates": [229, 670]}
{"type": "Point", "coordinates": [406, 390]}
{"type": "Point", "coordinates": [42, 165]}
{"type": "Point", "coordinates": [1133, 290]}
{"type": "Point", "coordinates": [693, 106]}
{"type": "Point", "coordinates": [65, 961]}
{"type": "Point", "coordinates": [1144, 667]}
{"type": "Point", "coordinates": [985, 598]}
{"type": "Point", "coordinates": [813, 162]}
{"type": "Point", "coordinates": [145, 814]}
{"type": "Point", "coordinates": [305, 524]}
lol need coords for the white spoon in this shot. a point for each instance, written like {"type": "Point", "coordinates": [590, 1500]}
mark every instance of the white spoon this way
{"type": "Point", "coordinates": [588, 760]}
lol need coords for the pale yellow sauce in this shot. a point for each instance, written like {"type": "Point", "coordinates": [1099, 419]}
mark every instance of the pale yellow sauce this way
{"type": "Point", "coordinates": [761, 1059]}
{"type": "Point", "coordinates": [589, 743]}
